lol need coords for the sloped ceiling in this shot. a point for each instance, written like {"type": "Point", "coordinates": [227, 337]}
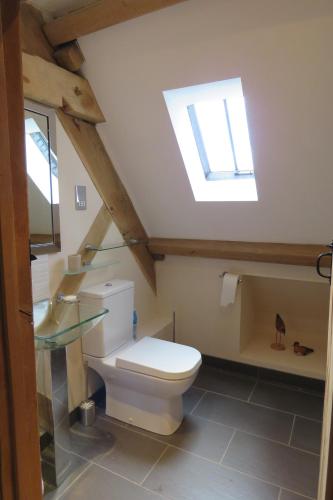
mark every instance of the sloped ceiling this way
{"type": "Point", "coordinates": [282, 51]}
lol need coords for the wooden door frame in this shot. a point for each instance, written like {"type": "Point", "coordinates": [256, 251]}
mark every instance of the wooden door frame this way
{"type": "Point", "coordinates": [325, 487]}
{"type": "Point", "coordinates": [20, 476]}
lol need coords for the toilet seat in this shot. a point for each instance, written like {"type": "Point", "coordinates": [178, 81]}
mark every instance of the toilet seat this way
{"type": "Point", "coordinates": [160, 359]}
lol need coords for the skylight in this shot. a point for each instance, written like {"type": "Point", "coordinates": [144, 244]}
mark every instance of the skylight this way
{"type": "Point", "coordinates": [210, 124]}
{"type": "Point", "coordinates": [38, 167]}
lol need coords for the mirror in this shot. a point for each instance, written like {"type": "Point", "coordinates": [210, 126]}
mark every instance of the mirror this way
{"type": "Point", "coordinates": [43, 185]}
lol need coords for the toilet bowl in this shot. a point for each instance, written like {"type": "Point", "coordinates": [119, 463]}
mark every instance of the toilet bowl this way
{"type": "Point", "coordinates": [144, 379]}
{"type": "Point", "coordinates": [139, 391]}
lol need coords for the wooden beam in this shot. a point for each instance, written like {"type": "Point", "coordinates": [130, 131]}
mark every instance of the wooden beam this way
{"type": "Point", "coordinates": [69, 56]}
{"type": "Point", "coordinates": [98, 16]}
{"type": "Point", "coordinates": [33, 40]}
{"type": "Point", "coordinates": [46, 83]}
{"type": "Point", "coordinates": [279, 253]}
{"type": "Point", "coordinates": [35, 43]}
{"type": "Point", "coordinates": [20, 474]}
{"type": "Point", "coordinates": [95, 158]}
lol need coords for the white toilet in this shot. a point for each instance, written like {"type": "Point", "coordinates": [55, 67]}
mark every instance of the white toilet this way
{"type": "Point", "coordinates": [144, 379]}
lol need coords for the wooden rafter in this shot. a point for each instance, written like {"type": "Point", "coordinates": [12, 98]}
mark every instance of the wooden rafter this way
{"type": "Point", "coordinates": [281, 253]}
{"type": "Point", "coordinates": [98, 16]}
{"type": "Point", "coordinates": [56, 87]}
{"type": "Point", "coordinates": [33, 40]}
{"type": "Point", "coordinates": [95, 158]}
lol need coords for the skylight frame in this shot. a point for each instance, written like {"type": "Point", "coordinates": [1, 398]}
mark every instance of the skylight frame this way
{"type": "Point", "coordinates": [231, 185]}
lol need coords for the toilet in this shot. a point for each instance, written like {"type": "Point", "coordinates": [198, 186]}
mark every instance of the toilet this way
{"type": "Point", "coordinates": [144, 379]}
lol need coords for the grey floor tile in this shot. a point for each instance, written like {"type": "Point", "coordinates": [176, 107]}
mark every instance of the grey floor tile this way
{"type": "Point", "coordinates": [77, 466]}
{"type": "Point", "coordinates": [103, 485]}
{"type": "Point", "coordinates": [246, 417]}
{"type": "Point", "coordinates": [278, 464]}
{"type": "Point", "coordinates": [179, 475]}
{"type": "Point", "coordinates": [282, 398]}
{"type": "Point", "coordinates": [88, 442]}
{"type": "Point", "coordinates": [132, 454]}
{"type": "Point", "coordinates": [200, 436]}
{"type": "Point", "coordinates": [101, 413]}
{"type": "Point", "coordinates": [287, 495]}
{"type": "Point", "coordinates": [191, 398]}
{"type": "Point", "coordinates": [223, 382]}
{"type": "Point", "coordinates": [307, 435]}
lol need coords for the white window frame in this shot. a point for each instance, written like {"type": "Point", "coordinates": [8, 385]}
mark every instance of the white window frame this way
{"type": "Point", "coordinates": [224, 188]}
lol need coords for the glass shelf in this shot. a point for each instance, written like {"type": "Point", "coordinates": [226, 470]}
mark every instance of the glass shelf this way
{"type": "Point", "coordinates": [59, 324]}
{"type": "Point", "coordinates": [90, 267]}
{"type": "Point", "coordinates": [113, 246]}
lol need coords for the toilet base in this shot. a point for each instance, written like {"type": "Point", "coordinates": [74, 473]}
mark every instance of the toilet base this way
{"type": "Point", "coordinates": [162, 416]}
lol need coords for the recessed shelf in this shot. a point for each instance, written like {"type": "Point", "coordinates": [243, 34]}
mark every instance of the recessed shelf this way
{"type": "Point", "coordinates": [59, 324]}
{"type": "Point", "coordinates": [259, 353]}
{"type": "Point", "coordinates": [304, 308]}
{"type": "Point", "coordinates": [113, 246]}
{"type": "Point", "coordinates": [90, 267]}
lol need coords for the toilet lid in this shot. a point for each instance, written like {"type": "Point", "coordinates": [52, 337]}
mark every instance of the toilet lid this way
{"type": "Point", "coordinates": [161, 359]}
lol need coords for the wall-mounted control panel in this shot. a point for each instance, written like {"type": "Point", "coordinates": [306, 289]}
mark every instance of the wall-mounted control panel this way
{"type": "Point", "coordinates": [80, 198]}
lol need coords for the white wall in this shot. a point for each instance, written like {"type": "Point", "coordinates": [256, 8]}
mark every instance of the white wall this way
{"type": "Point", "coordinates": [282, 52]}
{"type": "Point", "coordinates": [40, 215]}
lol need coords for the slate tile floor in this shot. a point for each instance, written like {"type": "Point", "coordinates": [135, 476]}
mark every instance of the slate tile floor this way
{"type": "Point", "coordinates": [243, 438]}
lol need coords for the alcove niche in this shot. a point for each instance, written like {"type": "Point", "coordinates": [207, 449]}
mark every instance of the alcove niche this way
{"type": "Point", "coordinates": [303, 305]}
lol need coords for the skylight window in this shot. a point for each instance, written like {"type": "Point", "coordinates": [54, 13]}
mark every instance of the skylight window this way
{"type": "Point", "coordinates": [211, 128]}
{"type": "Point", "coordinates": [38, 167]}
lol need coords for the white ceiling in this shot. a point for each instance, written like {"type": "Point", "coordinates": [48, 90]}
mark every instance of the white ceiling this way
{"type": "Point", "coordinates": [58, 8]}
{"type": "Point", "coordinates": [282, 51]}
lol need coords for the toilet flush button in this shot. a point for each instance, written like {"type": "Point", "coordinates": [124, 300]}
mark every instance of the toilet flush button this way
{"type": "Point", "coordinates": [108, 284]}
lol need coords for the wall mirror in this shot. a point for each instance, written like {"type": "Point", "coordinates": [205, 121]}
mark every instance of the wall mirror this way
{"type": "Point", "coordinates": [43, 185]}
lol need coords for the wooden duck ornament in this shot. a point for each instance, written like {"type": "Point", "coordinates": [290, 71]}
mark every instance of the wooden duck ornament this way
{"type": "Point", "coordinates": [302, 350]}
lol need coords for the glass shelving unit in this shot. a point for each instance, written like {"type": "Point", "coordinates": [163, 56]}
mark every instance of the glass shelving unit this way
{"type": "Point", "coordinates": [90, 267]}
{"type": "Point", "coordinates": [76, 320]}
{"type": "Point", "coordinates": [113, 246]}
{"type": "Point", "coordinates": [55, 329]}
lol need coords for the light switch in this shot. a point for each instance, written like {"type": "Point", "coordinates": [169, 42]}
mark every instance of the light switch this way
{"type": "Point", "coordinates": [80, 198]}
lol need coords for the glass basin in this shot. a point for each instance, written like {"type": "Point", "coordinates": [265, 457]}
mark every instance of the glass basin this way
{"type": "Point", "coordinates": [59, 324]}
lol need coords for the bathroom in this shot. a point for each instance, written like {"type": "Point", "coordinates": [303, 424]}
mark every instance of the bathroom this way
{"type": "Point", "coordinates": [253, 415]}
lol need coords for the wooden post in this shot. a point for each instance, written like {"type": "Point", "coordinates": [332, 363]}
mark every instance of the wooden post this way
{"type": "Point", "coordinates": [19, 435]}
